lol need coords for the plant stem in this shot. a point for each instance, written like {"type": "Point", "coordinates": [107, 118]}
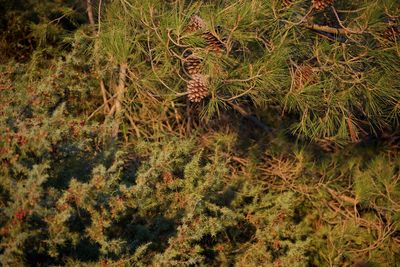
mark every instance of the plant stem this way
{"type": "Point", "coordinates": [96, 49]}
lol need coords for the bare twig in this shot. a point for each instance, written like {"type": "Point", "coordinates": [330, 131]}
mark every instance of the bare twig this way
{"type": "Point", "coordinates": [89, 10]}
{"type": "Point", "coordinates": [249, 116]}
{"type": "Point", "coordinates": [152, 65]}
{"type": "Point", "coordinates": [228, 41]}
{"type": "Point", "coordinates": [96, 48]}
{"type": "Point", "coordinates": [325, 28]}
{"type": "Point", "coordinates": [119, 90]}
{"type": "Point", "coordinates": [99, 17]}
{"type": "Point", "coordinates": [173, 41]}
{"type": "Point", "coordinates": [301, 21]}
{"type": "Point", "coordinates": [347, 30]}
{"type": "Point", "coordinates": [98, 109]}
{"type": "Point", "coordinates": [342, 197]}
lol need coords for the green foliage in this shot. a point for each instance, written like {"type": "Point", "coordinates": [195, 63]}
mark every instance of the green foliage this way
{"type": "Point", "coordinates": [165, 182]}
{"type": "Point", "coordinates": [32, 24]}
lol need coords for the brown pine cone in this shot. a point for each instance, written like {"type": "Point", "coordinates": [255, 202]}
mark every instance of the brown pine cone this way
{"type": "Point", "coordinates": [304, 74]}
{"type": "Point", "coordinates": [286, 3]}
{"type": "Point", "coordinates": [392, 33]}
{"type": "Point", "coordinates": [321, 4]}
{"type": "Point", "coordinates": [213, 43]}
{"type": "Point", "coordinates": [196, 23]}
{"type": "Point", "coordinates": [193, 65]}
{"type": "Point", "coordinates": [197, 88]}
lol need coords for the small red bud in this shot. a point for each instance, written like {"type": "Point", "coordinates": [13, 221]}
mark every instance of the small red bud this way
{"type": "Point", "coordinates": [20, 214]}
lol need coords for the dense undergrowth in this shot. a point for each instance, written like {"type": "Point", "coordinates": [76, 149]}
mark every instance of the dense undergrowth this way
{"type": "Point", "coordinates": [291, 160]}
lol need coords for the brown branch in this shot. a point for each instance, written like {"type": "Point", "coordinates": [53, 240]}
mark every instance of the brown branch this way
{"type": "Point", "coordinates": [347, 30]}
{"type": "Point", "coordinates": [249, 116]}
{"type": "Point", "coordinates": [96, 48]}
{"type": "Point", "coordinates": [353, 133]}
{"type": "Point", "coordinates": [89, 10]}
{"type": "Point", "coordinates": [119, 90]}
{"type": "Point", "coordinates": [101, 106]}
{"type": "Point", "coordinates": [342, 197]}
{"type": "Point", "coordinates": [343, 30]}
{"type": "Point", "coordinates": [104, 94]}
{"type": "Point", "coordinates": [323, 28]}
{"type": "Point", "coordinates": [99, 16]}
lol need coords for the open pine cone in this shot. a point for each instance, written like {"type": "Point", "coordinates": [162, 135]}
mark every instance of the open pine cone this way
{"type": "Point", "coordinates": [303, 75]}
{"type": "Point", "coordinates": [193, 65]}
{"type": "Point", "coordinates": [213, 43]}
{"type": "Point", "coordinates": [392, 33]}
{"type": "Point", "coordinates": [321, 4]}
{"type": "Point", "coordinates": [197, 88]}
{"type": "Point", "coordinates": [196, 23]}
{"type": "Point", "coordinates": [287, 3]}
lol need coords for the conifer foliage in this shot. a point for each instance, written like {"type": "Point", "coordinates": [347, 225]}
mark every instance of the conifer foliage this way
{"type": "Point", "coordinates": [199, 133]}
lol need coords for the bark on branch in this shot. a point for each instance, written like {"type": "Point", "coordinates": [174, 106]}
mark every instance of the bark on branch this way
{"type": "Point", "coordinates": [103, 90]}
{"type": "Point", "coordinates": [120, 89]}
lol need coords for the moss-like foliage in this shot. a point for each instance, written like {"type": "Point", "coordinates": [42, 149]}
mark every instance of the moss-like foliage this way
{"type": "Point", "coordinates": [292, 158]}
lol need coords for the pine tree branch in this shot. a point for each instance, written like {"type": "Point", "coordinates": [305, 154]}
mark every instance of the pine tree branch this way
{"type": "Point", "coordinates": [96, 33]}
{"type": "Point", "coordinates": [119, 90]}
{"type": "Point", "coordinates": [347, 30]}
{"type": "Point", "coordinates": [343, 30]}
{"type": "Point", "coordinates": [101, 106]}
{"type": "Point", "coordinates": [323, 28]}
{"type": "Point", "coordinates": [89, 10]}
{"type": "Point", "coordinates": [99, 17]}
{"type": "Point", "coordinates": [104, 95]}
{"type": "Point", "coordinates": [250, 117]}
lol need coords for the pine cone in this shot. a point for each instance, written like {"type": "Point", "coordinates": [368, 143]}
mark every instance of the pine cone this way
{"type": "Point", "coordinates": [196, 23]}
{"type": "Point", "coordinates": [328, 145]}
{"type": "Point", "coordinates": [304, 74]}
{"type": "Point", "coordinates": [213, 43]}
{"type": "Point", "coordinates": [321, 4]}
{"type": "Point", "coordinates": [286, 3]}
{"type": "Point", "coordinates": [193, 65]}
{"type": "Point", "coordinates": [197, 88]}
{"type": "Point", "coordinates": [392, 33]}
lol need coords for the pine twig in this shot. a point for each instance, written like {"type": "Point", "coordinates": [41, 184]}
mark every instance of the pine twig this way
{"type": "Point", "coordinates": [250, 117]}
{"type": "Point", "coordinates": [89, 10]}
{"type": "Point", "coordinates": [96, 48]}
{"type": "Point", "coordinates": [101, 106]}
{"type": "Point", "coordinates": [347, 30]}
{"type": "Point", "coordinates": [342, 197]}
{"type": "Point", "coordinates": [323, 28]}
{"type": "Point", "coordinates": [119, 90]}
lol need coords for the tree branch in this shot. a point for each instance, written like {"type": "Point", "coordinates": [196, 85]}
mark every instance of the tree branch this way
{"type": "Point", "coordinates": [96, 48]}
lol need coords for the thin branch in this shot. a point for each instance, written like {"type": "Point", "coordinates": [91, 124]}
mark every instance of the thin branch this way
{"type": "Point", "coordinates": [104, 95]}
{"type": "Point", "coordinates": [119, 90]}
{"type": "Point", "coordinates": [96, 48]}
{"type": "Point", "coordinates": [99, 17]}
{"type": "Point", "coordinates": [237, 22]}
{"type": "Point", "coordinates": [301, 21]}
{"type": "Point", "coordinates": [152, 64]}
{"type": "Point", "coordinates": [59, 18]}
{"type": "Point", "coordinates": [89, 10]}
{"type": "Point", "coordinates": [347, 30]}
{"type": "Point", "coordinates": [240, 95]}
{"type": "Point", "coordinates": [99, 108]}
{"type": "Point", "coordinates": [325, 28]}
{"type": "Point", "coordinates": [250, 117]}
{"type": "Point", "coordinates": [173, 41]}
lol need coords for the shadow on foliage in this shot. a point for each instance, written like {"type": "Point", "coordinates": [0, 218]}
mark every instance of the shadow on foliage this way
{"type": "Point", "coordinates": [74, 161]}
{"type": "Point", "coordinates": [136, 230]}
